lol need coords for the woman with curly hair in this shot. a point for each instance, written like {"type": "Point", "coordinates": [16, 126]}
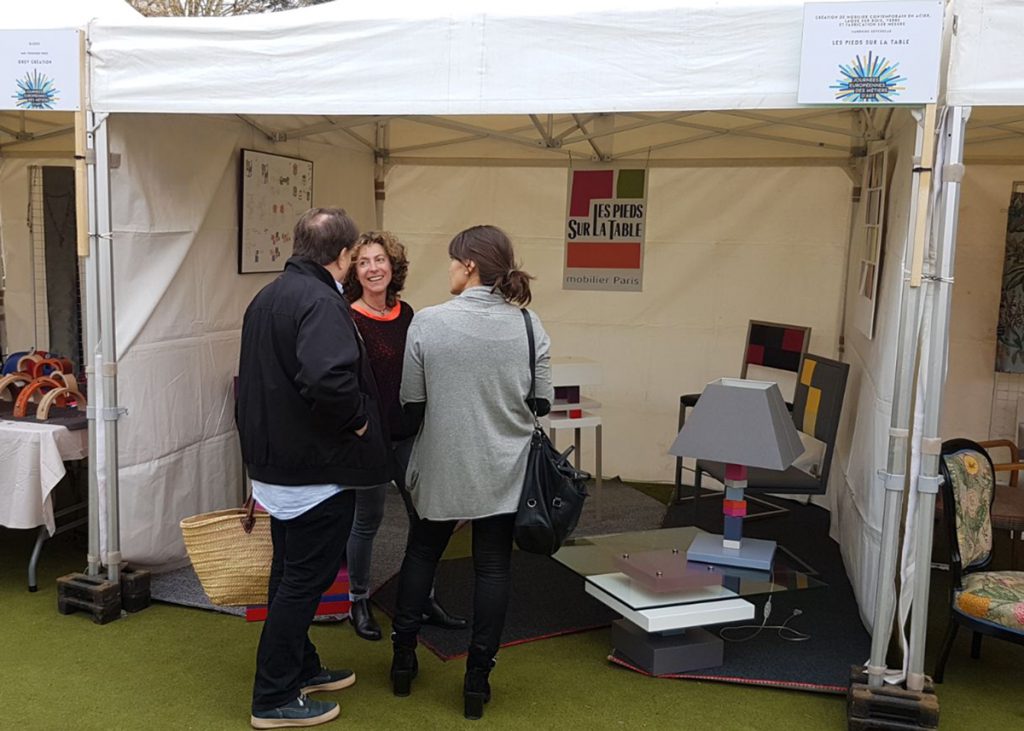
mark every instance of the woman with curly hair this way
{"type": "Point", "coordinates": [372, 287]}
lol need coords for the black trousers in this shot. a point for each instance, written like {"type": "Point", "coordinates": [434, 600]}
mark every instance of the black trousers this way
{"type": "Point", "coordinates": [492, 551]}
{"type": "Point", "coordinates": [401, 451]}
{"type": "Point", "coordinates": [308, 552]}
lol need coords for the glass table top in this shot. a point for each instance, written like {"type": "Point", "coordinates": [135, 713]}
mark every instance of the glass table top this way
{"type": "Point", "coordinates": [648, 570]}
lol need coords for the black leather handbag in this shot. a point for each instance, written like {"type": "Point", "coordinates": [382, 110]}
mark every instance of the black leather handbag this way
{"type": "Point", "coordinates": [553, 490]}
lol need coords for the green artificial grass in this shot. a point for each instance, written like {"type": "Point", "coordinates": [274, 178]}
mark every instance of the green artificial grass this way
{"type": "Point", "coordinates": [170, 667]}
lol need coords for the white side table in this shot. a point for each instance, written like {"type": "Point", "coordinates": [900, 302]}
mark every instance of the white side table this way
{"type": "Point", "coordinates": [559, 419]}
{"type": "Point", "coordinates": [32, 457]}
{"type": "Point", "coordinates": [577, 415]}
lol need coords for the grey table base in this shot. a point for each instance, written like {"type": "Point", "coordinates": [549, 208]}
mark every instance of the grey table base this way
{"type": "Point", "coordinates": [666, 653]}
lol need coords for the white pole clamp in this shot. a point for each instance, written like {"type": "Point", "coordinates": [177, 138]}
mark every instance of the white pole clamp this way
{"type": "Point", "coordinates": [891, 481]}
{"type": "Point", "coordinates": [929, 484]}
{"type": "Point", "coordinates": [113, 413]}
{"type": "Point", "coordinates": [953, 172]}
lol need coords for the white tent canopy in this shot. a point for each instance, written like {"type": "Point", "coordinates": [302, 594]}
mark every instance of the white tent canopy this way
{"type": "Point", "coordinates": [457, 57]}
{"type": "Point", "coordinates": [687, 85]}
{"type": "Point", "coordinates": [987, 57]}
{"type": "Point", "coordinates": [473, 113]}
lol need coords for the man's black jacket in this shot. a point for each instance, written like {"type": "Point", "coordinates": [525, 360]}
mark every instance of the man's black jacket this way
{"type": "Point", "coordinates": [305, 386]}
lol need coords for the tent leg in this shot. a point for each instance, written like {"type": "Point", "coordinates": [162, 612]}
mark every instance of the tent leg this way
{"type": "Point", "coordinates": [110, 413]}
{"type": "Point", "coordinates": [85, 185]}
{"type": "Point", "coordinates": [899, 433]}
{"type": "Point", "coordinates": [941, 281]}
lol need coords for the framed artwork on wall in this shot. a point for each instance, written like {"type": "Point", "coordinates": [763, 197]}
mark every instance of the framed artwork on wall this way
{"type": "Point", "coordinates": [1010, 329]}
{"type": "Point", "coordinates": [274, 191]}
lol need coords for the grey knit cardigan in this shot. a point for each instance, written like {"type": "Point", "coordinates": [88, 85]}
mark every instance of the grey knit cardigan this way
{"type": "Point", "coordinates": [468, 359]}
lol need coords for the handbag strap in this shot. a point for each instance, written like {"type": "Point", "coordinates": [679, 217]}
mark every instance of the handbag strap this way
{"type": "Point", "coordinates": [532, 397]}
{"type": "Point", "coordinates": [249, 519]}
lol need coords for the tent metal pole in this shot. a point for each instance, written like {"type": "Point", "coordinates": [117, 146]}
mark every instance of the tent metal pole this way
{"type": "Point", "coordinates": [1005, 160]}
{"type": "Point", "coordinates": [33, 138]}
{"type": "Point", "coordinates": [894, 476]}
{"type": "Point", "coordinates": [110, 412]}
{"type": "Point", "coordinates": [35, 154]}
{"type": "Point", "coordinates": [382, 134]}
{"type": "Point", "coordinates": [689, 162]}
{"type": "Point", "coordinates": [924, 190]}
{"type": "Point", "coordinates": [90, 336]}
{"type": "Point", "coordinates": [85, 194]}
{"type": "Point", "coordinates": [941, 280]}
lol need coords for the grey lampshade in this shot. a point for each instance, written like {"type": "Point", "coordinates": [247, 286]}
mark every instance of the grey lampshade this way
{"type": "Point", "coordinates": [740, 422]}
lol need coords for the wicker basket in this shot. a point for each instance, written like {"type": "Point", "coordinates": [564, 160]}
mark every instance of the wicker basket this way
{"type": "Point", "coordinates": [232, 564]}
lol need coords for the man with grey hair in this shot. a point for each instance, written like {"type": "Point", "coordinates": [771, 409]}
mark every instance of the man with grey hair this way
{"type": "Point", "coordinates": [311, 432]}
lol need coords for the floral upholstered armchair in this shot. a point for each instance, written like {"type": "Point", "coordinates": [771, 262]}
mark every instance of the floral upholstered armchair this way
{"type": "Point", "coordinates": [986, 602]}
{"type": "Point", "coordinates": [1008, 508]}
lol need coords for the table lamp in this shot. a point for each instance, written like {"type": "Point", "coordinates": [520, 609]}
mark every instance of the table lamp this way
{"type": "Point", "coordinates": [744, 424]}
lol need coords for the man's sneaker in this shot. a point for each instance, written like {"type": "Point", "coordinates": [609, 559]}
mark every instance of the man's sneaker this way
{"type": "Point", "coordinates": [329, 680]}
{"type": "Point", "coordinates": [302, 711]}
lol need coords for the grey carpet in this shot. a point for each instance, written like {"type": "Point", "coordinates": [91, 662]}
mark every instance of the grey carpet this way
{"type": "Point", "coordinates": [182, 586]}
{"type": "Point", "coordinates": [619, 508]}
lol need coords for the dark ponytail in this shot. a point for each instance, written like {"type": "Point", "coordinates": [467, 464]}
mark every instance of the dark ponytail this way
{"type": "Point", "coordinates": [491, 249]}
{"type": "Point", "coordinates": [514, 285]}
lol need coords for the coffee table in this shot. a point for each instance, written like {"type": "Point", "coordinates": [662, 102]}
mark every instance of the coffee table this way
{"type": "Point", "coordinates": [666, 601]}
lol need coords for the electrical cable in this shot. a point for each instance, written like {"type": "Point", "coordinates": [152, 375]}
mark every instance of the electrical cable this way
{"type": "Point", "coordinates": [785, 632]}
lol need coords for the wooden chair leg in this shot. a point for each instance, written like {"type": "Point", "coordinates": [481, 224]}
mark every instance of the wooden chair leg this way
{"type": "Point", "coordinates": [976, 645]}
{"type": "Point", "coordinates": [947, 645]}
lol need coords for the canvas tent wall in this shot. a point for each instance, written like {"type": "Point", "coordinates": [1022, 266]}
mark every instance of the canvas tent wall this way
{"type": "Point", "coordinates": [730, 144]}
{"type": "Point", "coordinates": [987, 75]}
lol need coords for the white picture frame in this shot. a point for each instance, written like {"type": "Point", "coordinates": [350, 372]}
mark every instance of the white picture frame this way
{"type": "Point", "coordinates": [274, 190]}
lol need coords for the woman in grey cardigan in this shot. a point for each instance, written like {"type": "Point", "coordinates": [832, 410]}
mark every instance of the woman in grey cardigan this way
{"type": "Point", "coordinates": [467, 374]}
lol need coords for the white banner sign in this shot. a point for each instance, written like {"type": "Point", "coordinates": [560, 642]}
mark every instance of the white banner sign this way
{"type": "Point", "coordinates": [871, 53]}
{"type": "Point", "coordinates": [39, 70]}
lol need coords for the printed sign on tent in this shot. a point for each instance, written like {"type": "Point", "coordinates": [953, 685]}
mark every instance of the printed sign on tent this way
{"type": "Point", "coordinates": [604, 230]}
{"type": "Point", "coordinates": [39, 70]}
{"type": "Point", "coordinates": [871, 53]}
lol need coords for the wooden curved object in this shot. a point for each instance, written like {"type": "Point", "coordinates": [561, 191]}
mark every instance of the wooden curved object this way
{"type": "Point", "coordinates": [27, 362]}
{"type": "Point", "coordinates": [68, 379]}
{"type": "Point", "coordinates": [13, 382]}
{"type": "Point", "coordinates": [12, 360]}
{"type": "Point", "coordinates": [33, 391]}
{"type": "Point", "coordinates": [50, 367]}
{"type": "Point", "coordinates": [58, 397]}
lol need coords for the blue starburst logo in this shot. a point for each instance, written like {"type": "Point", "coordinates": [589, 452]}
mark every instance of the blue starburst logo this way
{"type": "Point", "coordinates": [874, 79]}
{"type": "Point", "coordinates": [36, 91]}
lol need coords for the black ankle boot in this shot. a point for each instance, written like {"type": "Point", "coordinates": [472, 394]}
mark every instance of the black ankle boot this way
{"type": "Point", "coordinates": [476, 690]}
{"type": "Point", "coordinates": [362, 620]}
{"type": "Point", "coordinates": [437, 616]}
{"type": "Point", "coordinates": [404, 666]}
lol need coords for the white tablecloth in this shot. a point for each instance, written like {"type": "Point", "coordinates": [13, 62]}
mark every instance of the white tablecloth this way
{"type": "Point", "coordinates": [31, 464]}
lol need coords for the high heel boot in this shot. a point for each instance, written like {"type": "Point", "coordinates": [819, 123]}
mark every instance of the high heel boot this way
{"type": "Point", "coordinates": [476, 689]}
{"type": "Point", "coordinates": [438, 616]}
{"type": "Point", "coordinates": [363, 621]}
{"type": "Point", "coordinates": [404, 666]}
